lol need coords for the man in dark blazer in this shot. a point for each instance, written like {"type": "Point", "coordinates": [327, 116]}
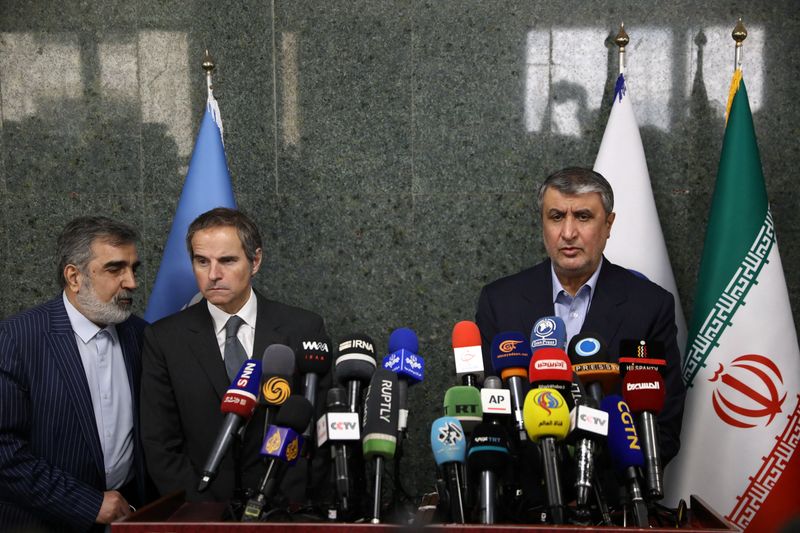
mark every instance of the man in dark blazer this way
{"type": "Point", "coordinates": [69, 374]}
{"type": "Point", "coordinates": [592, 294]}
{"type": "Point", "coordinates": [185, 374]}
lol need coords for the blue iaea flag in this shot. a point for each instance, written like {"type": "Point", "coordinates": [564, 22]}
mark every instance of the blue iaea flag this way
{"type": "Point", "coordinates": [207, 185]}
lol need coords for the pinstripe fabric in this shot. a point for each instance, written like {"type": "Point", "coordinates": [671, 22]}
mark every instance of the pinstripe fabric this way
{"type": "Point", "coordinates": [51, 463]}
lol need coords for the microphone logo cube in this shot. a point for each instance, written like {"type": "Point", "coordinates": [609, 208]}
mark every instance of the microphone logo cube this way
{"type": "Point", "coordinates": [589, 419]}
{"type": "Point", "coordinates": [496, 401]}
{"type": "Point", "coordinates": [469, 359]}
{"type": "Point", "coordinates": [276, 390]}
{"type": "Point", "coordinates": [406, 364]}
{"type": "Point", "coordinates": [282, 443]}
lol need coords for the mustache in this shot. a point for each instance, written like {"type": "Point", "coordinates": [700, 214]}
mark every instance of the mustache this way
{"type": "Point", "coordinates": [123, 295]}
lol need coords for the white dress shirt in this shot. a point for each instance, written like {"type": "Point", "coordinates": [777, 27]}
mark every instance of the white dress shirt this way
{"type": "Point", "coordinates": [247, 331]}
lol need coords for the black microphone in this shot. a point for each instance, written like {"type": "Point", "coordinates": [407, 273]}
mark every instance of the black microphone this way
{"type": "Point", "coordinates": [380, 428]}
{"type": "Point", "coordinates": [339, 427]}
{"type": "Point", "coordinates": [238, 405]}
{"type": "Point", "coordinates": [355, 364]}
{"type": "Point", "coordinates": [313, 360]}
{"type": "Point", "coordinates": [276, 379]}
{"type": "Point", "coordinates": [282, 445]}
{"type": "Point", "coordinates": [488, 454]}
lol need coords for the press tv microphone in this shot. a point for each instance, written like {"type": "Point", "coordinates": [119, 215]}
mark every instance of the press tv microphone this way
{"type": "Point", "coordinates": [511, 356]}
{"type": "Point", "coordinates": [379, 428]}
{"type": "Point", "coordinates": [488, 454]}
{"type": "Point", "coordinates": [468, 353]}
{"type": "Point", "coordinates": [626, 454]}
{"type": "Point", "coordinates": [589, 356]}
{"type": "Point", "coordinates": [355, 364]}
{"type": "Point", "coordinates": [449, 447]}
{"type": "Point", "coordinates": [278, 364]}
{"type": "Point", "coordinates": [409, 367]}
{"type": "Point", "coordinates": [464, 403]}
{"type": "Point", "coordinates": [238, 405]}
{"type": "Point", "coordinates": [339, 427]}
{"type": "Point", "coordinates": [550, 368]}
{"type": "Point", "coordinates": [547, 422]}
{"type": "Point", "coordinates": [588, 428]}
{"type": "Point", "coordinates": [643, 390]}
{"type": "Point", "coordinates": [548, 332]}
{"type": "Point", "coordinates": [282, 445]}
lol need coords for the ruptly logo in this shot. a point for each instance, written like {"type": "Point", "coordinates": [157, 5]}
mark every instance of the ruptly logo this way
{"type": "Point", "coordinates": [450, 434]}
{"type": "Point", "coordinates": [508, 346]}
{"type": "Point", "coordinates": [544, 327]}
{"type": "Point", "coordinates": [739, 399]}
{"type": "Point", "coordinates": [547, 401]}
{"type": "Point", "coordinates": [587, 347]}
{"type": "Point", "coordinates": [276, 390]}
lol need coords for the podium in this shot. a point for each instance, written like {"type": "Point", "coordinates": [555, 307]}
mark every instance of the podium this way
{"type": "Point", "coordinates": [175, 515]}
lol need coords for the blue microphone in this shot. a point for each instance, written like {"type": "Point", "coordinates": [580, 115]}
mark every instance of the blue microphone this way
{"type": "Point", "coordinates": [548, 332]}
{"type": "Point", "coordinates": [409, 367]}
{"type": "Point", "coordinates": [511, 356]}
{"type": "Point", "coordinates": [449, 446]}
{"type": "Point", "coordinates": [626, 452]}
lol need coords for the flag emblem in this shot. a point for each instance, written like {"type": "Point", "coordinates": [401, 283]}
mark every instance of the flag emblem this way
{"type": "Point", "coordinates": [740, 397]}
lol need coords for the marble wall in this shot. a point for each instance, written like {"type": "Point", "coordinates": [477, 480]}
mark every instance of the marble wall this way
{"type": "Point", "coordinates": [388, 149]}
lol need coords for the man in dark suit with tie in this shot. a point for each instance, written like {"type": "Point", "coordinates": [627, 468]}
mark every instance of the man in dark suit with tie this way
{"type": "Point", "coordinates": [187, 366]}
{"type": "Point", "coordinates": [70, 457]}
{"type": "Point", "coordinates": [586, 290]}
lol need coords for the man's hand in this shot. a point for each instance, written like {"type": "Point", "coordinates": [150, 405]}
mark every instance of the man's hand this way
{"type": "Point", "coordinates": [113, 508]}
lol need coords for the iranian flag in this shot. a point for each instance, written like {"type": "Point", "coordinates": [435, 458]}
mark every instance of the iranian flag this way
{"type": "Point", "coordinates": [742, 367]}
{"type": "Point", "coordinates": [637, 242]}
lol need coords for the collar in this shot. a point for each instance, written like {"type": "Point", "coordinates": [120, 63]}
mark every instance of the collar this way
{"type": "Point", "coordinates": [591, 282]}
{"type": "Point", "coordinates": [247, 313]}
{"type": "Point", "coordinates": [82, 326]}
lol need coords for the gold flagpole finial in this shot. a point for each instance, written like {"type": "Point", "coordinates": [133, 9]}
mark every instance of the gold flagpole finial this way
{"type": "Point", "coordinates": [622, 41]}
{"type": "Point", "coordinates": [208, 66]}
{"type": "Point", "coordinates": [739, 34]}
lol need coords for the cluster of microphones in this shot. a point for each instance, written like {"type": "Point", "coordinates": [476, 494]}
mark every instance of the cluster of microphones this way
{"type": "Point", "coordinates": [548, 425]}
{"type": "Point", "coordinates": [554, 404]}
{"type": "Point", "coordinates": [363, 425]}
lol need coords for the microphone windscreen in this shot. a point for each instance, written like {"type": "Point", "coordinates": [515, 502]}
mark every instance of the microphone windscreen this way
{"type": "Point", "coordinates": [511, 354]}
{"type": "Point", "coordinates": [295, 413]}
{"type": "Point", "coordinates": [447, 441]}
{"type": "Point", "coordinates": [464, 403]}
{"type": "Point", "coordinates": [493, 382]}
{"type": "Point", "coordinates": [545, 414]}
{"type": "Point", "coordinates": [379, 425]}
{"type": "Point", "coordinates": [403, 339]}
{"type": "Point", "coordinates": [488, 448]}
{"type": "Point", "coordinates": [466, 333]}
{"type": "Point", "coordinates": [314, 356]}
{"type": "Point", "coordinates": [623, 442]}
{"type": "Point", "coordinates": [242, 396]}
{"type": "Point", "coordinates": [587, 347]}
{"type": "Point", "coordinates": [550, 365]}
{"type": "Point", "coordinates": [278, 359]}
{"type": "Point", "coordinates": [643, 390]}
{"type": "Point", "coordinates": [355, 360]}
{"type": "Point", "coordinates": [336, 400]}
{"type": "Point", "coordinates": [548, 332]}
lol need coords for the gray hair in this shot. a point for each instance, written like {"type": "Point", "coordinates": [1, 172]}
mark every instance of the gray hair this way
{"type": "Point", "coordinates": [74, 243]}
{"type": "Point", "coordinates": [245, 228]}
{"type": "Point", "coordinates": [576, 180]}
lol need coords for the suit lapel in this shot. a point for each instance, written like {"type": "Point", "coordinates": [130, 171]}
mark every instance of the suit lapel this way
{"type": "Point", "coordinates": [609, 295]}
{"type": "Point", "coordinates": [539, 302]}
{"type": "Point", "coordinates": [203, 346]}
{"type": "Point", "coordinates": [64, 350]}
{"type": "Point", "coordinates": [267, 329]}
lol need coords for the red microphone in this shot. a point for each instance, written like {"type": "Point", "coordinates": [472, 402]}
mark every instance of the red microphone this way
{"type": "Point", "coordinates": [550, 368]}
{"type": "Point", "coordinates": [644, 392]}
{"type": "Point", "coordinates": [468, 353]}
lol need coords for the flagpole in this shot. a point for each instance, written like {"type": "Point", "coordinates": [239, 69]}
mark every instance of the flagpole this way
{"type": "Point", "coordinates": [621, 40]}
{"type": "Point", "coordinates": [208, 66]}
{"type": "Point", "coordinates": [739, 34]}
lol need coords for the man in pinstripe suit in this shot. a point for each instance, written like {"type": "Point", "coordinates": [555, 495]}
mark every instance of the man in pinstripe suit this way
{"type": "Point", "coordinates": [69, 370]}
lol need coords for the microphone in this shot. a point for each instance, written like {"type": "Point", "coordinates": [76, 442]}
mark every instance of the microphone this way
{"type": "Point", "coordinates": [276, 379]}
{"type": "Point", "coordinates": [588, 427]}
{"type": "Point", "coordinates": [409, 367]}
{"type": "Point", "coordinates": [339, 427]}
{"type": "Point", "coordinates": [511, 356]}
{"type": "Point", "coordinates": [464, 403]}
{"type": "Point", "coordinates": [589, 357]}
{"type": "Point", "coordinates": [488, 454]}
{"type": "Point", "coordinates": [380, 428]}
{"type": "Point", "coordinates": [495, 400]}
{"type": "Point", "coordinates": [313, 360]}
{"type": "Point", "coordinates": [547, 422]}
{"type": "Point", "coordinates": [548, 332]}
{"type": "Point", "coordinates": [355, 364]}
{"type": "Point", "coordinates": [625, 452]}
{"type": "Point", "coordinates": [282, 445]}
{"type": "Point", "coordinates": [238, 405]}
{"type": "Point", "coordinates": [450, 450]}
{"type": "Point", "coordinates": [641, 354]}
{"type": "Point", "coordinates": [550, 368]}
{"type": "Point", "coordinates": [468, 353]}
{"type": "Point", "coordinates": [643, 390]}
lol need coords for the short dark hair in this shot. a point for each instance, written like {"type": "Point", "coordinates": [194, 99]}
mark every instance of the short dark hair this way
{"type": "Point", "coordinates": [74, 243]}
{"type": "Point", "coordinates": [578, 180]}
{"type": "Point", "coordinates": [224, 216]}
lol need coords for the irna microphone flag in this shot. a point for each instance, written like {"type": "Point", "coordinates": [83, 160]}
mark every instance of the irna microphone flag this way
{"type": "Point", "coordinates": [207, 185]}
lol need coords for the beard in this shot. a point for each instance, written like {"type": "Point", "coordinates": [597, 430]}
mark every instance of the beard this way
{"type": "Point", "coordinates": [113, 312]}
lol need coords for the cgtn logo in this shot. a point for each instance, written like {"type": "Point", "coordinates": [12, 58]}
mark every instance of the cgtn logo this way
{"type": "Point", "coordinates": [550, 364]}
